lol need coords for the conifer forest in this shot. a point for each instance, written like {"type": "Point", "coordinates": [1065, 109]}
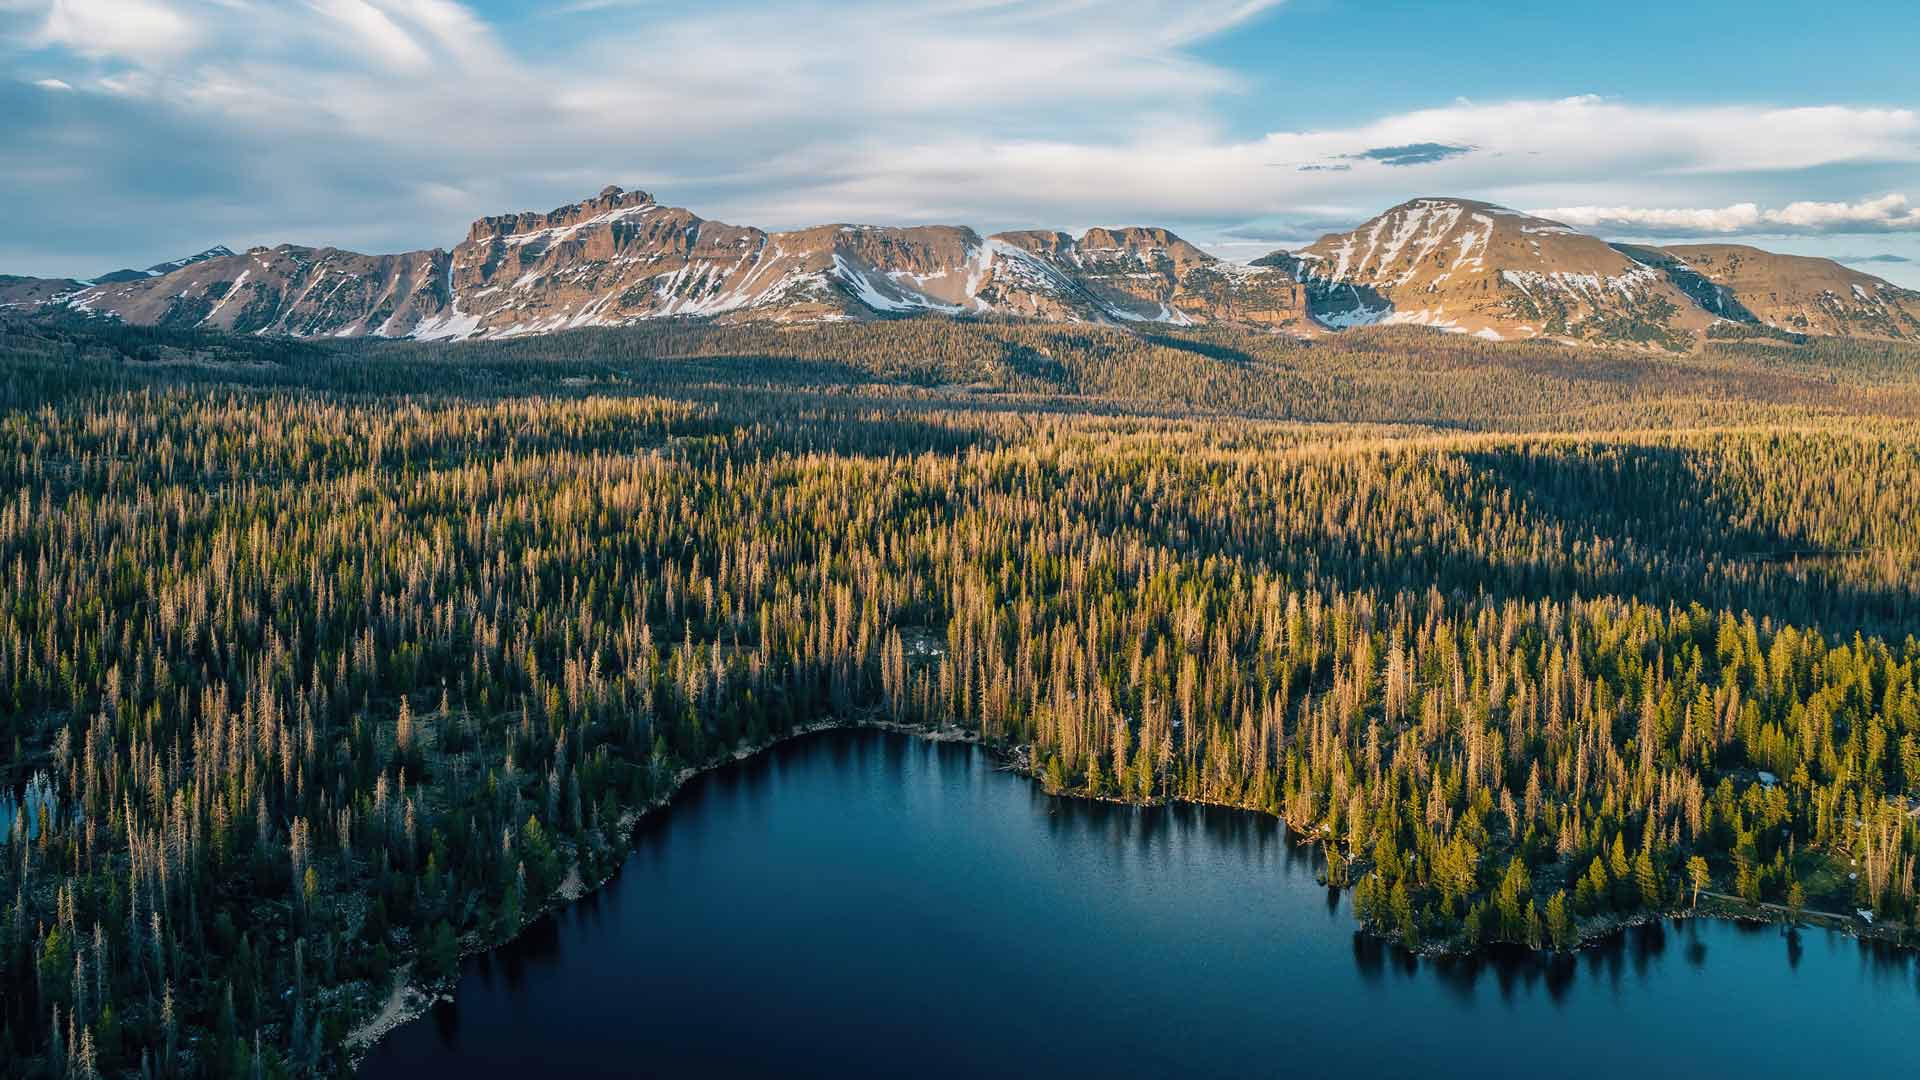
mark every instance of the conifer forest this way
{"type": "Point", "coordinates": [323, 665]}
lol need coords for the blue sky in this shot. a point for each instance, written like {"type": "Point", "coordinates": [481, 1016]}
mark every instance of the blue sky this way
{"type": "Point", "coordinates": [133, 131]}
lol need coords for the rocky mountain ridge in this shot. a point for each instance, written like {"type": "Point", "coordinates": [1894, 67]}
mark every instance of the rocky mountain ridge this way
{"type": "Point", "coordinates": [218, 251]}
{"type": "Point", "coordinates": [621, 257]}
{"type": "Point", "coordinates": [1788, 292]}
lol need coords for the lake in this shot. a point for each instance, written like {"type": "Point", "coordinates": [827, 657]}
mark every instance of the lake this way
{"type": "Point", "coordinates": [859, 903]}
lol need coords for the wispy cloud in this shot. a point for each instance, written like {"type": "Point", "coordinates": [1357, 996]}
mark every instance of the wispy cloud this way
{"type": "Point", "coordinates": [142, 30]}
{"type": "Point", "coordinates": [1887, 214]}
{"type": "Point", "coordinates": [389, 124]}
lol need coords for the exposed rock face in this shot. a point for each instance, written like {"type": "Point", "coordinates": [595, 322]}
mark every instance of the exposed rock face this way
{"type": "Point", "coordinates": [1790, 292]}
{"type": "Point", "coordinates": [1477, 268]}
{"type": "Point", "coordinates": [621, 257]}
{"type": "Point", "coordinates": [33, 293]}
{"type": "Point", "coordinates": [1150, 275]}
{"type": "Point", "coordinates": [291, 290]}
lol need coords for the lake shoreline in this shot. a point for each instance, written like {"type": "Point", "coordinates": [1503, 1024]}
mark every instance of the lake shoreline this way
{"type": "Point", "coordinates": [1719, 906]}
{"type": "Point", "coordinates": [408, 1000]}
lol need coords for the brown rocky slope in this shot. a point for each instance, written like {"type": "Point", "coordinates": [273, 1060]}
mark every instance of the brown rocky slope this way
{"type": "Point", "coordinates": [621, 257]}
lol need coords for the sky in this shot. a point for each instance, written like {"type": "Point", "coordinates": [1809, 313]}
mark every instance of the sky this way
{"type": "Point", "coordinates": [137, 131]}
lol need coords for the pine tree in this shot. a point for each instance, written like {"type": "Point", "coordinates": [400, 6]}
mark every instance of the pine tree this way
{"type": "Point", "coordinates": [1646, 879]}
{"type": "Point", "coordinates": [1698, 875]}
{"type": "Point", "coordinates": [1560, 926]}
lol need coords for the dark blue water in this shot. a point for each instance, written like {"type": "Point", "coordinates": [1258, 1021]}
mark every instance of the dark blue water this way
{"type": "Point", "coordinates": [866, 904]}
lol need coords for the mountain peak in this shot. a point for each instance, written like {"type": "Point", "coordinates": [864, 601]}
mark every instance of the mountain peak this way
{"type": "Point", "coordinates": [217, 251]}
{"type": "Point", "coordinates": [1438, 201]}
{"type": "Point", "coordinates": [530, 226]}
{"type": "Point", "coordinates": [619, 257]}
{"type": "Point", "coordinates": [1474, 267]}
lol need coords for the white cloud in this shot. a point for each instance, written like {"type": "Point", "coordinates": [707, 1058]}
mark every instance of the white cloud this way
{"type": "Point", "coordinates": [1187, 170]}
{"type": "Point", "coordinates": [375, 31]}
{"type": "Point", "coordinates": [392, 123]}
{"type": "Point", "coordinates": [1728, 219]}
{"type": "Point", "coordinates": [138, 29]}
{"type": "Point", "coordinates": [1885, 214]}
{"type": "Point", "coordinates": [1889, 213]}
{"type": "Point", "coordinates": [52, 84]}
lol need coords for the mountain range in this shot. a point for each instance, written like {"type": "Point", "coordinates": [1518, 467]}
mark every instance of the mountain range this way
{"type": "Point", "coordinates": [620, 257]}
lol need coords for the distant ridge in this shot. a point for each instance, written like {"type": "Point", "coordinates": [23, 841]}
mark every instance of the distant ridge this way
{"type": "Point", "coordinates": [161, 269]}
{"type": "Point", "coordinates": [621, 257]}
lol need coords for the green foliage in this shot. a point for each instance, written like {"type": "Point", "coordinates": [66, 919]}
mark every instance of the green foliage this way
{"type": "Point", "coordinates": [440, 952]}
{"type": "Point", "coordinates": [333, 657]}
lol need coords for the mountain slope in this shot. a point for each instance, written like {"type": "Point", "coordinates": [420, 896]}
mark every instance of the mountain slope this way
{"type": "Point", "coordinates": [621, 257]}
{"type": "Point", "coordinates": [161, 269]}
{"type": "Point", "coordinates": [293, 290]}
{"type": "Point", "coordinates": [31, 293]}
{"type": "Point", "coordinates": [1473, 267]}
{"type": "Point", "coordinates": [1143, 274]}
{"type": "Point", "coordinates": [1790, 292]}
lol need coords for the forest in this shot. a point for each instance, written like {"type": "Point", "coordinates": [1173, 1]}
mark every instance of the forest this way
{"type": "Point", "coordinates": [322, 665]}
